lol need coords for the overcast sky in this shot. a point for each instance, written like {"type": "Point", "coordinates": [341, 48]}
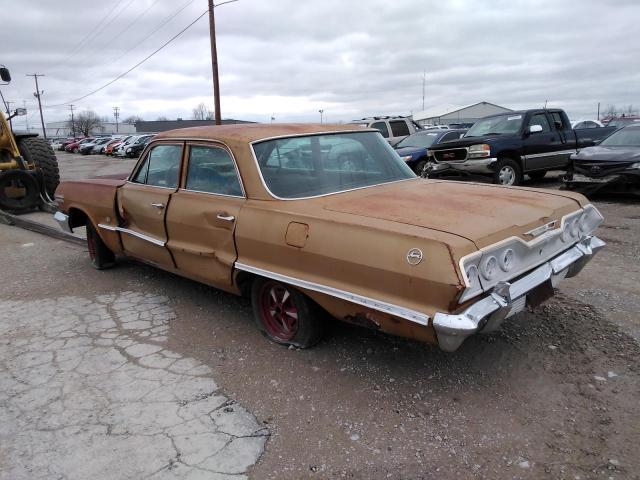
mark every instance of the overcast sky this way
{"type": "Point", "coordinates": [291, 58]}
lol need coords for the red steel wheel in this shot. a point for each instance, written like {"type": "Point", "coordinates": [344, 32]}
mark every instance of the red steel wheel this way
{"type": "Point", "coordinates": [285, 315]}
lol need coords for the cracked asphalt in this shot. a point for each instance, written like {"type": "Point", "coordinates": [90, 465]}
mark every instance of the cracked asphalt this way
{"type": "Point", "coordinates": [89, 389]}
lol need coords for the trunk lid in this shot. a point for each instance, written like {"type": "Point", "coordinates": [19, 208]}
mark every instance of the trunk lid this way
{"type": "Point", "coordinates": [483, 214]}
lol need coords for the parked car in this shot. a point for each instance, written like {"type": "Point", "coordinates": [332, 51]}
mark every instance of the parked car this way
{"type": "Point", "coordinates": [111, 146]}
{"type": "Point", "coordinates": [393, 129]}
{"type": "Point", "coordinates": [57, 144]}
{"type": "Point", "coordinates": [378, 247]}
{"type": "Point", "coordinates": [508, 145]}
{"type": "Point", "coordinates": [413, 149]}
{"type": "Point", "coordinates": [67, 142]}
{"type": "Point", "coordinates": [623, 121]}
{"type": "Point", "coordinates": [88, 147]}
{"type": "Point", "coordinates": [134, 149]}
{"type": "Point", "coordinates": [119, 151]}
{"type": "Point", "coordinates": [613, 164]}
{"type": "Point", "coordinates": [75, 146]}
{"type": "Point", "coordinates": [586, 124]}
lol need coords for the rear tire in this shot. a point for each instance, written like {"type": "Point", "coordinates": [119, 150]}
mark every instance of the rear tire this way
{"type": "Point", "coordinates": [419, 167]}
{"type": "Point", "coordinates": [37, 150]}
{"type": "Point", "coordinates": [284, 315]}
{"type": "Point", "coordinates": [507, 173]}
{"type": "Point", "coordinates": [101, 256]}
{"type": "Point", "coordinates": [537, 176]}
{"type": "Point", "coordinates": [23, 180]}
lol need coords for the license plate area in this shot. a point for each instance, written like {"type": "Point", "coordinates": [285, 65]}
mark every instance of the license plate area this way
{"type": "Point", "coordinates": [540, 294]}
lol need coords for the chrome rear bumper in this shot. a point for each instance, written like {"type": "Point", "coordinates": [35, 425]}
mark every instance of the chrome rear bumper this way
{"type": "Point", "coordinates": [507, 299]}
{"type": "Point", "coordinates": [63, 221]}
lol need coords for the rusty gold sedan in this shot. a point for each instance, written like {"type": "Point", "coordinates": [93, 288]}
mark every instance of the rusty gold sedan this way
{"type": "Point", "coordinates": [318, 220]}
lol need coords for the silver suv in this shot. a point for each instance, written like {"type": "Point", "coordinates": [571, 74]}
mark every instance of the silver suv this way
{"type": "Point", "coordinates": [393, 129]}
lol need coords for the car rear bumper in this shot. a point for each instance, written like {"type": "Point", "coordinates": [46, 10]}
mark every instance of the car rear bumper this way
{"type": "Point", "coordinates": [480, 165]}
{"type": "Point", "coordinates": [507, 299]}
{"type": "Point", "coordinates": [63, 221]}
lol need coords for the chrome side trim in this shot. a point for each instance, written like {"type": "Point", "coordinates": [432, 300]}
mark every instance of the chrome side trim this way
{"type": "Point", "coordinates": [142, 236]}
{"type": "Point", "coordinates": [395, 310]}
{"type": "Point", "coordinates": [549, 154]}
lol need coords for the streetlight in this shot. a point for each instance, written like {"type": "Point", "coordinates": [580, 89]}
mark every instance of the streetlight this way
{"type": "Point", "coordinates": [214, 58]}
{"type": "Point", "coordinates": [321, 112]}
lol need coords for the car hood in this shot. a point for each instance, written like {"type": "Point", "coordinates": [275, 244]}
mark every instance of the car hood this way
{"type": "Point", "coordinates": [608, 154]}
{"type": "Point", "coordinates": [481, 213]}
{"type": "Point", "coordinates": [405, 151]}
{"type": "Point", "coordinates": [467, 141]}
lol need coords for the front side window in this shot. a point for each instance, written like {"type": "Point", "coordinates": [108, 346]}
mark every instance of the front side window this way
{"type": "Point", "coordinates": [314, 165]}
{"type": "Point", "coordinates": [160, 167]}
{"type": "Point", "coordinates": [382, 126]}
{"type": "Point", "coordinates": [212, 170]}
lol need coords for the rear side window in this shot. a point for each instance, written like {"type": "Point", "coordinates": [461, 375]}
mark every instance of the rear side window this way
{"type": "Point", "coordinates": [212, 170]}
{"type": "Point", "coordinates": [160, 167]}
{"type": "Point", "coordinates": [399, 128]}
{"type": "Point", "coordinates": [382, 126]}
{"type": "Point", "coordinates": [540, 119]}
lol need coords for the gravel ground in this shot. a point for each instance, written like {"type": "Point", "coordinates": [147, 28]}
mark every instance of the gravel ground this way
{"type": "Point", "coordinates": [553, 395]}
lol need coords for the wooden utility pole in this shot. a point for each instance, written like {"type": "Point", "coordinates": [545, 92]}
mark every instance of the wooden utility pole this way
{"type": "Point", "coordinates": [214, 63]}
{"type": "Point", "coordinates": [37, 94]}
{"type": "Point", "coordinates": [116, 114]}
{"type": "Point", "coordinates": [73, 123]}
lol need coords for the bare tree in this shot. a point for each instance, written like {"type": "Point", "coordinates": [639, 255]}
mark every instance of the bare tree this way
{"type": "Point", "coordinates": [85, 122]}
{"type": "Point", "coordinates": [131, 119]}
{"type": "Point", "coordinates": [610, 111]}
{"type": "Point", "coordinates": [202, 112]}
{"type": "Point", "coordinates": [161, 118]}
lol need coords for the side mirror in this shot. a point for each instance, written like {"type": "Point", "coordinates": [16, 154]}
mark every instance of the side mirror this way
{"type": "Point", "coordinates": [535, 128]}
{"type": "Point", "coordinates": [5, 76]}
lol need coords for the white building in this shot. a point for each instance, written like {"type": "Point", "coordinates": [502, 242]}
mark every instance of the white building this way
{"type": "Point", "coordinates": [63, 129]}
{"type": "Point", "coordinates": [447, 114]}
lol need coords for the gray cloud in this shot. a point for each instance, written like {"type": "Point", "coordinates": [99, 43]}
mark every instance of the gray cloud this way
{"type": "Point", "coordinates": [290, 58]}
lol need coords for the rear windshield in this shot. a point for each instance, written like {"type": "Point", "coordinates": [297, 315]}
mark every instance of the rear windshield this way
{"type": "Point", "coordinates": [313, 165]}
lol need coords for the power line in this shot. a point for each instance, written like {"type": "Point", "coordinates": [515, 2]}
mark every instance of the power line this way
{"type": "Point", "coordinates": [94, 29]}
{"type": "Point", "coordinates": [146, 37]}
{"type": "Point", "coordinates": [132, 68]}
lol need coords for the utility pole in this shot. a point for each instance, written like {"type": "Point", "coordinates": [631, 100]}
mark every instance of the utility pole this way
{"type": "Point", "coordinates": [73, 123]}
{"type": "Point", "coordinates": [116, 114]}
{"type": "Point", "coordinates": [321, 112]}
{"type": "Point", "coordinates": [424, 83]}
{"type": "Point", "coordinates": [214, 63]}
{"type": "Point", "coordinates": [26, 117]}
{"type": "Point", "coordinates": [8, 103]}
{"type": "Point", "coordinates": [598, 111]}
{"type": "Point", "coordinates": [38, 94]}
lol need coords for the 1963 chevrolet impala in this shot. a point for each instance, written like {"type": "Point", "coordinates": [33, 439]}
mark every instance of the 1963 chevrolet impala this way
{"type": "Point", "coordinates": [309, 219]}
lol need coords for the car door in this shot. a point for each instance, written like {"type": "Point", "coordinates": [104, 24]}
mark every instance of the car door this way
{"type": "Point", "coordinates": [540, 147]}
{"type": "Point", "coordinates": [201, 217]}
{"type": "Point", "coordinates": [143, 201]}
{"type": "Point", "coordinates": [562, 127]}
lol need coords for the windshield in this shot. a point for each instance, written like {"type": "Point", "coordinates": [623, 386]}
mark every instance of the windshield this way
{"type": "Point", "coordinates": [418, 140]}
{"type": "Point", "coordinates": [314, 165]}
{"type": "Point", "coordinates": [500, 125]}
{"type": "Point", "coordinates": [626, 137]}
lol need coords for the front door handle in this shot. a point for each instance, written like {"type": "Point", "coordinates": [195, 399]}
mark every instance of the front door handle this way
{"type": "Point", "coordinates": [158, 205]}
{"type": "Point", "coordinates": [225, 216]}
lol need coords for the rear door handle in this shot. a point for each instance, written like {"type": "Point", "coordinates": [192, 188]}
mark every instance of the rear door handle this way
{"type": "Point", "coordinates": [225, 216]}
{"type": "Point", "coordinates": [158, 205]}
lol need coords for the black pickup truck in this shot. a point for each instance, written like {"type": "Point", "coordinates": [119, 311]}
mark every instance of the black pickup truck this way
{"type": "Point", "coordinates": [509, 145]}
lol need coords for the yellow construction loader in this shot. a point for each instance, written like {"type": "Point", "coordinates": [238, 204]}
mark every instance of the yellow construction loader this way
{"type": "Point", "coordinates": [29, 171]}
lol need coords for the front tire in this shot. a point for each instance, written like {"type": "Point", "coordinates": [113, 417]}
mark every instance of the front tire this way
{"type": "Point", "coordinates": [419, 167]}
{"type": "Point", "coordinates": [101, 256]}
{"type": "Point", "coordinates": [284, 315]}
{"type": "Point", "coordinates": [37, 150]}
{"type": "Point", "coordinates": [507, 173]}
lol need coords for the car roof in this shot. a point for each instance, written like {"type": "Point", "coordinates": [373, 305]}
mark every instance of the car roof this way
{"type": "Point", "coordinates": [251, 132]}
